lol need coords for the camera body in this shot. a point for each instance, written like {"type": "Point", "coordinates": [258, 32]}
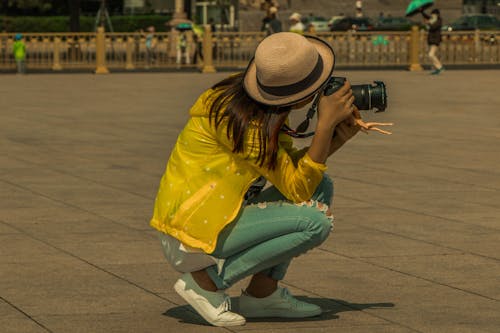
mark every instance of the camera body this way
{"type": "Point", "coordinates": [366, 96]}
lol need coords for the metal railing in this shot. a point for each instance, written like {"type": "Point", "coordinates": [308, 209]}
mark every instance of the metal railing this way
{"type": "Point", "coordinates": [127, 51]}
{"type": "Point", "coordinates": [467, 48]}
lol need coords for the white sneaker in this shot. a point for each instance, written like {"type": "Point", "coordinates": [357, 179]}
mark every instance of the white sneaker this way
{"type": "Point", "coordinates": [214, 307]}
{"type": "Point", "coordinates": [279, 304]}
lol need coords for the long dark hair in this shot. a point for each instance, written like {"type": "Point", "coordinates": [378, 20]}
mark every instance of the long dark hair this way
{"type": "Point", "coordinates": [233, 103]}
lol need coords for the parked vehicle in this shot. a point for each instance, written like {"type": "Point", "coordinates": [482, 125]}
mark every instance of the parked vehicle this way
{"type": "Point", "coordinates": [394, 24]}
{"type": "Point", "coordinates": [473, 22]}
{"type": "Point", "coordinates": [334, 19]}
{"type": "Point", "coordinates": [319, 23]}
{"type": "Point", "coordinates": [352, 23]}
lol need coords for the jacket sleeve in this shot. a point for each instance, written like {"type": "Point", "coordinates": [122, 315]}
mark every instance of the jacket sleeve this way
{"type": "Point", "coordinates": [296, 182]}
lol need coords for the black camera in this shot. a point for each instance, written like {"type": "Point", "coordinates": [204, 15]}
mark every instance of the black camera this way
{"type": "Point", "coordinates": [366, 96]}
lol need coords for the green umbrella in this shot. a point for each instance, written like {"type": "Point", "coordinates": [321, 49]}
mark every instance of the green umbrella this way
{"type": "Point", "coordinates": [415, 6]}
{"type": "Point", "coordinates": [184, 26]}
{"type": "Point", "coordinates": [380, 40]}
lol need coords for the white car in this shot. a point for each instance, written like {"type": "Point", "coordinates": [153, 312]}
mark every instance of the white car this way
{"type": "Point", "coordinates": [319, 23]}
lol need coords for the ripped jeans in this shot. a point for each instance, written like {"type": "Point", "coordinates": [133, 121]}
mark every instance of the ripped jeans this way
{"type": "Point", "coordinates": [269, 232]}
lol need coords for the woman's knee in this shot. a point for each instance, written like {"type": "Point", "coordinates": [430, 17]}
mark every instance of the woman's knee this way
{"type": "Point", "coordinates": [318, 224]}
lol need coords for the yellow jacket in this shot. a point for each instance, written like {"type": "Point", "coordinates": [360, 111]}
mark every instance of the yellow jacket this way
{"type": "Point", "coordinates": [203, 187]}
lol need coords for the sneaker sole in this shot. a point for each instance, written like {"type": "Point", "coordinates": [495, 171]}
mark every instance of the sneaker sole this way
{"type": "Point", "coordinates": [281, 314]}
{"type": "Point", "coordinates": [179, 288]}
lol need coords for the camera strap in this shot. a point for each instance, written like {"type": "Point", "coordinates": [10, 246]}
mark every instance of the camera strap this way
{"type": "Point", "coordinates": [303, 126]}
{"type": "Point", "coordinates": [294, 134]}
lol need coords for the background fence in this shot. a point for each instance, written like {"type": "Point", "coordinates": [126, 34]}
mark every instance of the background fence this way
{"type": "Point", "coordinates": [231, 50]}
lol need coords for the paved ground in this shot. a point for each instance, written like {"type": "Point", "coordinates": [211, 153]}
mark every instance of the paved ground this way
{"type": "Point", "coordinates": [416, 246]}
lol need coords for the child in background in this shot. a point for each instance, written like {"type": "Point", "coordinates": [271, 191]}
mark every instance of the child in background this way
{"type": "Point", "coordinates": [19, 50]}
{"type": "Point", "coordinates": [150, 46]}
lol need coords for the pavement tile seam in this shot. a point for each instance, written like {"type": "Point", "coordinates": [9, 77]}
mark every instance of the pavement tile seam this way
{"type": "Point", "coordinates": [19, 310]}
{"type": "Point", "coordinates": [360, 259]}
{"type": "Point", "coordinates": [128, 281]}
{"type": "Point", "coordinates": [311, 328]}
{"type": "Point", "coordinates": [27, 189]}
{"type": "Point", "coordinates": [369, 227]}
{"type": "Point", "coordinates": [419, 162]}
{"type": "Point", "coordinates": [414, 256]}
{"type": "Point", "coordinates": [57, 170]}
{"type": "Point", "coordinates": [382, 205]}
{"type": "Point", "coordinates": [403, 187]}
{"type": "Point", "coordinates": [482, 172]}
{"type": "Point", "coordinates": [114, 275]}
{"type": "Point", "coordinates": [371, 314]}
{"type": "Point", "coordinates": [51, 149]}
{"type": "Point", "coordinates": [9, 228]}
{"type": "Point", "coordinates": [46, 167]}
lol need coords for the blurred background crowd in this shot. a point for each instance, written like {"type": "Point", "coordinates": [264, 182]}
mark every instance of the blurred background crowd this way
{"type": "Point", "coordinates": [237, 15]}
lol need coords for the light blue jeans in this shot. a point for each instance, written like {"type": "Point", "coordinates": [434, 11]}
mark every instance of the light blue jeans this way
{"type": "Point", "coordinates": [269, 232]}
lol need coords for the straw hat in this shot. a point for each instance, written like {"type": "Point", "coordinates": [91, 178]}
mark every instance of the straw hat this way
{"type": "Point", "coordinates": [287, 68]}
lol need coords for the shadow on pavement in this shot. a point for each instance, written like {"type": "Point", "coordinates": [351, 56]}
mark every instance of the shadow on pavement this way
{"type": "Point", "coordinates": [330, 306]}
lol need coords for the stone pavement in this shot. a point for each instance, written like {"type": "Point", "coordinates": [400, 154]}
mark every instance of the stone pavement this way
{"type": "Point", "coordinates": [416, 246]}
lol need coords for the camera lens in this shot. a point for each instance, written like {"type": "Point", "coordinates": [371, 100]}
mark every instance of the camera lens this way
{"type": "Point", "coordinates": [367, 97]}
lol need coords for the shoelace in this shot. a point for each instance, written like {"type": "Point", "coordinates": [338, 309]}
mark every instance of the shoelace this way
{"type": "Point", "coordinates": [225, 305]}
{"type": "Point", "coordinates": [285, 294]}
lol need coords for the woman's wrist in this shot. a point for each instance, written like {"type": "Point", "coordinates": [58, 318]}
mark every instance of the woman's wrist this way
{"type": "Point", "coordinates": [320, 146]}
{"type": "Point", "coordinates": [323, 127]}
{"type": "Point", "coordinates": [335, 145]}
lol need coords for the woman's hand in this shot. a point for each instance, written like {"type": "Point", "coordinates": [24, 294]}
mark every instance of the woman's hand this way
{"type": "Point", "coordinates": [333, 109]}
{"type": "Point", "coordinates": [350, 127]}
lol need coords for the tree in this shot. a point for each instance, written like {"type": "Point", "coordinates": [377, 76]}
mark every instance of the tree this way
{"type": "Point", "coordinates": [74, 15]}
{"type": "Point", "coordinates": [34, 7]}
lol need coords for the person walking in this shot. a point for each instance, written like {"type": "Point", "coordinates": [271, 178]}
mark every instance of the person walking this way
{"type": "Point", "coordinates": [271, 24]}
{"type": "Point", "coordinates": [434, 22]}
{"type": "Point", "coordinates": [216, 222]}
{"type": "Point", "coordinates": [197, 44]}
{"type": "Point", "coordinates": [359, 8]}
{"type": "Point", "coordinates": [19, 50]}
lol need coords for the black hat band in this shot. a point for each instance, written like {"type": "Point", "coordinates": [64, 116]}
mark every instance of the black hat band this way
{"type": "Point", "coordinates": [296, 87]}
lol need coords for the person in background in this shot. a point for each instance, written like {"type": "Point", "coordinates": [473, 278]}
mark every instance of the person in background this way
{"type": "Point", "coordinates": [311, 29]}
{"type": "Point", "coordinates": [434, 22]}
{"type": "Point", "coordinates": [359, 8]}
{"type": "Point", "coordinates": [150, 46]}
{"type": "Point", "coordinates": [198, 43]}
{"type": "Point", "coordinates": [381, 16]}
{"type": "Point", "coordinates": [271, 24]}
{"type": "Point", "coordinates": [211, 22]}
{"type": "Point", "coordinates": [296, 24]}
{"type": "Point", "coordinates": [182, 48]}
{"type": "Point", "coordinates": [268, 4]}
{"type": "Point", "coordinates": [19, 50]}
